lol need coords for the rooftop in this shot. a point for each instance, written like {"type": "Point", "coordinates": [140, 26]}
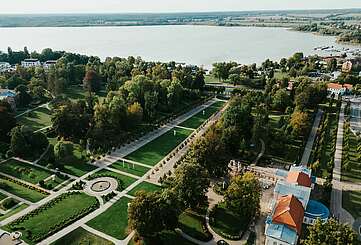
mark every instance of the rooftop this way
{"type": "Point", "coordinates": [281, 232]}
{"type": "Point", "coordinates": [289, 211]}
{"type": "Point", "coordinates": [299, 178]}
{"type": "Point", "coordinates": [302, 193]}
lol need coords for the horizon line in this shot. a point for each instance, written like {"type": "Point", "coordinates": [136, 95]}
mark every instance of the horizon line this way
{"type": "Point", "coordinates": [177, 12]}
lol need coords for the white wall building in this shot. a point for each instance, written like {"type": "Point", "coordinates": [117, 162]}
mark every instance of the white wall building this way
{"type": "Point", "coordinates": [4, 66]}
{"type": "Point", "coordinates": [49, 63]}
{"type": "Point", "coordinates": [30, 63]}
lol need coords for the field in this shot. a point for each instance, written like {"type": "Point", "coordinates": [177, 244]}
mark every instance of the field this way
{"type": "Point", "coordinates": [36, 119]}
{"type": "Point", "coordinates": [53, 215]}
{"type": "Point", "coordinates": [21, 191]}
{"type": "Point", "coordinates": [228, 222]}
{"type": "Point", "coordinates": [24, 171]}
{"type": "Point", "coordinates": [156, 150]}
{"type": "Point", "coordinates": [114, 221]}
{"type": "Point", "coordinates": [144, 186]}
{"type": "Point", "coordinates": [354, 174]}
{"type": "Point", "coordinates": [14, 211]}
{"type": "Point", "coordinates": [2, 196]}
{"type": "Point", "coordinates": [123, 180]}
{"type": "Point", "coordinates": [197, 120]}
{"type": "Point", "coordinates": [138, 170]}
{"type": "Point", "coordinates": [81, 237]}
{"type": "Point", "coordinates": [192, 224]}
{"type": "Point", "coordinates": [51, 184]}
{"type": "Point", "coordinates": [351, 201]}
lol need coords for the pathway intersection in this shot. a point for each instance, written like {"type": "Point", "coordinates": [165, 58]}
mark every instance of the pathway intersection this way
{"type": "Point", "coordinates": [105, 164]}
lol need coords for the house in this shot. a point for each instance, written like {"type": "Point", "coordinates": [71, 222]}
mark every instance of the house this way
{"type": "Point", "coordinates": [291, 207]}
{"type": "Point", "coordinates": [339, 89]}
{"type": "Point", "coordinates": [49, 63]}
{"type": "Point", "coordinates": [4, 66]}
{"type": "Point", "coordinates": [347, 66]}
{"type": "Point", "coordinates": [27, 63]}
{"type": "Point", "coordinates": [8, 96]}
{"type": "Point", "coordinates": [285, 224]}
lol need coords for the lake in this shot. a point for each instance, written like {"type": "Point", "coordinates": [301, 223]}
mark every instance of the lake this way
{"type": "Point", "coordinates": [201, 45]}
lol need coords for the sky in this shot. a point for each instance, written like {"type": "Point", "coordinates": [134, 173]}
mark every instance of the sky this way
{"type": "Point", "coordinates": [121, 6]}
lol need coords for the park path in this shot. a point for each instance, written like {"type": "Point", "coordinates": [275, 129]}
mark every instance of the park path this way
{"type": "Point", "coordinates": [46, 105]}
{"type": "Point", "coordinates": [311, 139]}
{"type": "Point", "coordinates": [336, 195]}
{"type": "Point", "coordinates": [103, 164]}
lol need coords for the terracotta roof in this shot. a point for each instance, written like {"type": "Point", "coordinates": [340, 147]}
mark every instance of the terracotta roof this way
{"type": "Point", "coordinates": [299, 177]}
{"type": "Point", "coordinates": [334, 86]}
{"type": "Point", "coordinates": [289, 211]}
{"type": "Point", "coordinates": [347, 85]}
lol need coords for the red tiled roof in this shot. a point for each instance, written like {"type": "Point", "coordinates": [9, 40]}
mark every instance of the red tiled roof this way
{"type": "Point", "coordinates": [300, 178]}
{"type": "Point", "coordinates": [289, 211]}
{"type": "Point", "coordinates": [334, 86]}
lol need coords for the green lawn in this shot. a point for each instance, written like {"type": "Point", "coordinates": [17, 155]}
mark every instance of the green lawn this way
{"type": "Point", "coordinates": [156, 150]}
{"type": "Point", "coordinates": [211, 79]}
{"type": "Point", "coordinates": [128, 168]}
{"type": "Point", "coordinates": [22, 191]}
{"type": "Point", "coordinates": [36, 119]}
{"type": "Point", "coordinates": [79, 93]}
{"type": "Point", "coordinates": [51, 184]}
{"type": "Point", "coordinates": [2, 196]}
{"type": "Point", "coordinates": [354, 174]}
{"type": "Point", "coordinates": [14, 211]}
{"type": "Point", "coordinates": [144, 186]}
{"type": "Point", "coordinates": [227, 222]}
{"type": "Point", "coordinates": [24, 171]}
{"type": "Point", "coordinates": [199, 118]}
{"type": "Point", "coordinates": [78, 165]}
{"type": "Point", "coordinates": [123, 180]}
{"type": "Point", "coordinates": [81, 236]}
{"type": "Point", "coordinates": [166, 238]}
{"type": "Point", "coordinates": [114, 221]}
{"type": "Point", "coordinates": [192, 224]}
{"type": "Point", "coordinates": [351, 201]}
{"type": "Point", "coordinates": [56, 213]}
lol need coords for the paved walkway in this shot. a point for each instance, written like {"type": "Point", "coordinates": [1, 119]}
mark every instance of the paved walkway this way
{"type": "Point", "coordinates": [104, 163]}
{"type": "Point", "coordinates": [263, 149]}
{"type": "Point", "coordinates": [311, 139]}
{"type": "Point", "coordinates": [336, 194]}
{"type": "Point", "coordinates": [46, 105]}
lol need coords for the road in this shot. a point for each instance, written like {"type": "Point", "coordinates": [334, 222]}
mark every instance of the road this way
{"type": "Point", "coordinates": [311, 139]}
{"type": "Point", "coordinates": [336, 194]}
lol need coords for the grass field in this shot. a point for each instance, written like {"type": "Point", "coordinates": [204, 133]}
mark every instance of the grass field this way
{"type": "Point", "coordinates": [78, 93]}
{"type": "Point", "coordinates": [14, 211]}
{"type": "Point", "coordinates": [36, 119]}
{"type": "Point", "coordinates": [51, 184]}
{"type": "Point", "coordinates": [166, 238]}
{"type": "Point", "coordinates": [114, 221]}
{"type": "Point", "coordinates": [54, 215]}
{"type": "Point", "coordinates": [123, 180]}
{"type": "Point", "coordinates": [128, 168]}
{"type": "Point", "coordinates": [24, 171]}
{"type": "Point", "coordinates": [225, 221]}
{"type": "Point", "coordinates": [354, 174]}
{"type": "Point", "coordinates": [2, 196]}
{"type": "Point", "coordinates": [81, 236]}
{"type": "Point", "coordinates": [351, 201]}
{"type": "Point", "coordinates": [144, 186]}
{"type": "Point", "coordinates": [199, 118]}
{"type": "Point", "coordinates": [156, 150]}
{"type": "Point", "coordinates": [21, 191]}
{"type": "Point", "coordinates": [191, 223]}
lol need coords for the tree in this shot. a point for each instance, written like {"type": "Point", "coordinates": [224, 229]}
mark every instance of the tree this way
{"type": "Point", "coordinates": [7, 119]}
{"type": "Point", "coordinates": [150, 103]}
{"type": "Point", "coordinates": [92, 81]}
{"type": "Point", "coordinates": [150, 213]}
{"type": "Point", "coordinates": [63, 151]}
{"type": "Point", "coordinates": [135, 114]}
{"type": "Point", "coordinates": [281, 100]}
{"type": "Point", "coordinates": [243, 195]}
{"type": "Point", "coordinates": [23, 98]}
{"type": "Point", "coordinates": [191, 184]}
{"type": "Point", "coordinates": [299, 123]}
{"type": "Point", "coordinates": [330, 232]}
